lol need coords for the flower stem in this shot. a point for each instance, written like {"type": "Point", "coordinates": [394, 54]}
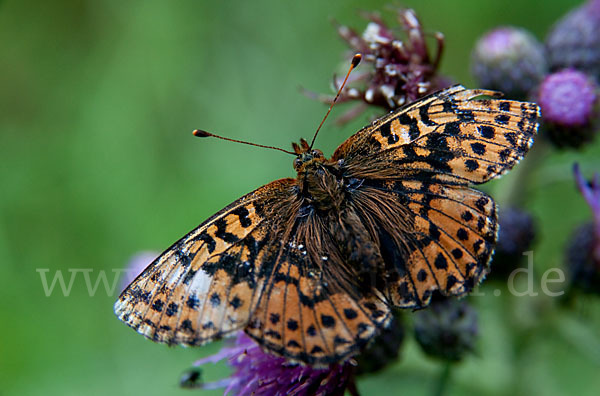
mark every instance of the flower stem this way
{"type": "Point", "coordinates": [442, 382]}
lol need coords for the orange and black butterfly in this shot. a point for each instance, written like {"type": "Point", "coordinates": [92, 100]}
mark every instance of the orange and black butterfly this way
{"type": "Point", "coordinates": [310, 267]}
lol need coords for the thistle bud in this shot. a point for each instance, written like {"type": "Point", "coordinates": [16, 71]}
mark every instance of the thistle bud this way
{"type": "Point", "coordinates": [383, 350]}
{"type": "Point", "coordinates": [447, 329]}
{"type": "Point", "coordinates": [510, 60]}
{"type": "Point", "coordinates": [515, 236]}
{"type": "Point", "coordinates": [574, 41]}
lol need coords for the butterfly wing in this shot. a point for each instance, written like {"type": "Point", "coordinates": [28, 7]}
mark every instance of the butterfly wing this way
{"type": "Point", "coordinates": [448, 135]}
{"type": "Point", "coordinates": [449, 246]}
{"type": "Point", "coordinates": [303, 319]}
{"type": "Point", "coordinates": [246, 267]}
{"type": "Point", "coordinates": [426, 156]}
{"type": "Point", "coordinates": [209, 283]}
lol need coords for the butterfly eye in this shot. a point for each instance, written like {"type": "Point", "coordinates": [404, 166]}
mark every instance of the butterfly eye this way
{"type": "Point", "coordinates": [317, 153]}
{"type": "Point", "coordinates": [297, 162]}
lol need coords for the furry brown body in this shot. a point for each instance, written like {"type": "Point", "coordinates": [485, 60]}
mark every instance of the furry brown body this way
{"type": "Point", "coordinates": [346, 220]}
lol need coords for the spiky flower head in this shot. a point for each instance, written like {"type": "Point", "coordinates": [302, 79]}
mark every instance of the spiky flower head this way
{"type": "Point", "coordinates": [574, 41]}
{"type": "Point", "coordinates": [399, 66]}
{"type": "Point", "coordinates": [510, 60]}
{"type": "Point", "coordinates": [568, 99]}
{"type": "Point", "coordinates": [256, 373]}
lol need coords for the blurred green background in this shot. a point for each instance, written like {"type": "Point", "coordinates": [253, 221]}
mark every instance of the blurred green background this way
{"type": "Point", "coordinates": [98, 100]}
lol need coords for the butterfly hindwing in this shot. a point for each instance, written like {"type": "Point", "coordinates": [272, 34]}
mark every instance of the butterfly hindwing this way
{"type": "Point", "coordinates": [208, 283]}
{"type": "Point", "coordinates": [454, 236]}
{"type": "Point", "coordinates": [302, 319]}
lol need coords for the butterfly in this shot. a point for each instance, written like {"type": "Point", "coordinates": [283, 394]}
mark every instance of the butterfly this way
{"type": "Point", "coordinates": [311, 267]}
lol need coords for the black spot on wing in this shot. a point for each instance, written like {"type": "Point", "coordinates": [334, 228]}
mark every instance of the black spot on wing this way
{"type": "Point", "coordinates": [235, 302]}
{"type": "Point", "coordinates": [502, 119]}
{"type": "Point", "coordinates": [215, 300]}
{"type": "Point", "coordinates": [471, 165]}
{"type": "Point", "coordinates": [462, 234]}
{"type": "Point", "coordinates": [172, 309]}
{"type": "Point", "coordinates": [478, 148]}
{"type": "Point", "coordinates": [274, 318]}
{"type": "Point", "coordinates": [465, 116]}
{"type": "Point", "coordinates": [222, 233]}
{"type": "Point", "coordinates": [208, 240]}
{"type": "Point", "coordinates": [452, 128]}
{"type": "Point", "coordinates": [242, 214]}
{"type": "Point", "coordinates": [158, 306]}
{"type": "Point", "coordinates": [413, 126]}
{"type": "Point", "coordinates": [385, 129]}
{"type": "Point", "coordinates": [350, 313]}
{"type": "Point", "coordinates": [292, 325]}
{"type": "Point", "coordinates": [440, 262]}
{"type": "Point", "coordinates": [424, 115]}
{"type": "Point", "coordinates": [327, 321]}
{"type": "Point", "coordinates": [193, 302]}
{"type": "Point", "coordinates": [486, 131]}
{"type": "Point", "coordinates": [457, 253]}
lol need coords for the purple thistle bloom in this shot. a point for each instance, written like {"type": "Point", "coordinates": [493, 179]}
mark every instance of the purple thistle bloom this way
{"type": "Point", "coordinates": [591, 194]}
{"type": "Point", "coordinates": [259, 373]}
{"type": "Point", "coordinates": [583, 249]}
{"type": "Point", "coordinates": [510, 60]}
{"type": "Point", "coordinates": [567, 99]}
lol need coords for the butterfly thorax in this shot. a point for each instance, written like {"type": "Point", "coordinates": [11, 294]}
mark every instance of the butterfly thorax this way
{"type": "Point", "coordinates": [321, 185]}
{"type": "Point", "coordinates": [319, 180]}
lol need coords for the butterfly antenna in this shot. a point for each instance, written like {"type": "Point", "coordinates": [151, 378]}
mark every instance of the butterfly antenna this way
{"type": "Point", "coordinates": [355, 61]}
{"type": "Point", "coordinates": [201, 133]}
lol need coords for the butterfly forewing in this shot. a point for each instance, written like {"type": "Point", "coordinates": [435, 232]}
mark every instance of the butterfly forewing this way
{"type": "Point", "coordinates": [207, 284]}
{"type": "Point", "coordinates": [449, 134]}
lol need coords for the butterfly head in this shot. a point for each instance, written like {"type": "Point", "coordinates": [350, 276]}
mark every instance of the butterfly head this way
{"type": "Point", "coordinates": [306, 155]}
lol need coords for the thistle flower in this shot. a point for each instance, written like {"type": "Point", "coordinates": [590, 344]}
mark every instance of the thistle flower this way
{"type": "Point", "coordinates": [567, 99]}
{"type": "Point", "coordinates": [401, 70]}
{"type": "Point", "coordinates": [510, 60]}
{"type": "Point", "coordinates": [259, 373]}
{"type": "Point", "coordinates": [447, 329]}
{"type": "Point", "coordinates": [516, 234]}
{"type": "Point", "coordinates": [583, 252]}
{"type": "Point", "coordinates": [575, 40]}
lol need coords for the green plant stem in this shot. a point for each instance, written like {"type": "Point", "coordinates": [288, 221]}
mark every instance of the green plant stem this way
{"type": "Point", "coordinates": [442, 382]}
